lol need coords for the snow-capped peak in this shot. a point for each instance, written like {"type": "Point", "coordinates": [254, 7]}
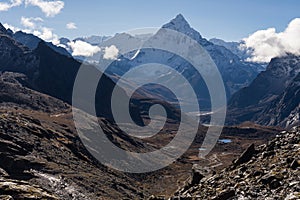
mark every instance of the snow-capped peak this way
{"type": "Point", "coordinates": [180, 24]}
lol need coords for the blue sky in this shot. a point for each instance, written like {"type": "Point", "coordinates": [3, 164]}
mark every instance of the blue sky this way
{"type": "Point", "coordinates": [229, 20]}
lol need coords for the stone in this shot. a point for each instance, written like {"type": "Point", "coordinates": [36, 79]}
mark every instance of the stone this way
{"type": "Point", "coordinates": [3, 173]}
{"type": "Point", "coordinates": [274, 184]}
{"type": "Point", "coordinates": [6, 197]}
{"type": "Point", "coordinates": [196, 178]}
{"type": "Point", "coordinates": [295, 164]}
{"type": "Point", "coordinates": [246, 155]}
{"type": "Point", "coordinates": [224, 195]}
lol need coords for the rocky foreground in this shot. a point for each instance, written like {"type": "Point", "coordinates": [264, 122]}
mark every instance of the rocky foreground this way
{"type": "Point", "coordinates": [267, 172]}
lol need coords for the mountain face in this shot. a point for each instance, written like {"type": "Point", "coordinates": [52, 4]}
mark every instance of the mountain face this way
{"type": "Point", "coordinates": [273, 97]}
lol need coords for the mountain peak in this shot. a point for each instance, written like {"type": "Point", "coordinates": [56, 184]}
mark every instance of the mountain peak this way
{"type": "Point", "coordinates": [180, 18]}
{"type": "Point", "coordinates": [180, 24]}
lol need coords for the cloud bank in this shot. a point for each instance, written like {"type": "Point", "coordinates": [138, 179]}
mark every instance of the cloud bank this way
{"type": "Point", "coordinates": [267, 44]}
{"type": "Point", "coordinates": [81, 48]}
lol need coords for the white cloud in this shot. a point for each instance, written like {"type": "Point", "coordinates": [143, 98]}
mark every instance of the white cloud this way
{"type": "Point", "coordinates": [71, 25]}
{"type": "Point", "coordinates": [37, 29]}
{"type": "Point", "coordinates": [81, 48]}
{"type": "Point", "coordinates": [111, 52]}
{"type": "Point", "coordinates": [30, 22]}
{"type": "Point", "coordinates": [267, 44]}
{"type": "Point", "coordinates": [5, 6]}
{"type": "Point", "coordinates": [49, 8]}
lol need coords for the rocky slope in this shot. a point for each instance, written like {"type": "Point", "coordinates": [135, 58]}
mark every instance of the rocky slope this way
{"type": "Point", "coordinates": [272, 98]}
{"type": "Point", "coordinates": [266, 172]}
{"type": "Point", "coordinates": [41, 154]}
